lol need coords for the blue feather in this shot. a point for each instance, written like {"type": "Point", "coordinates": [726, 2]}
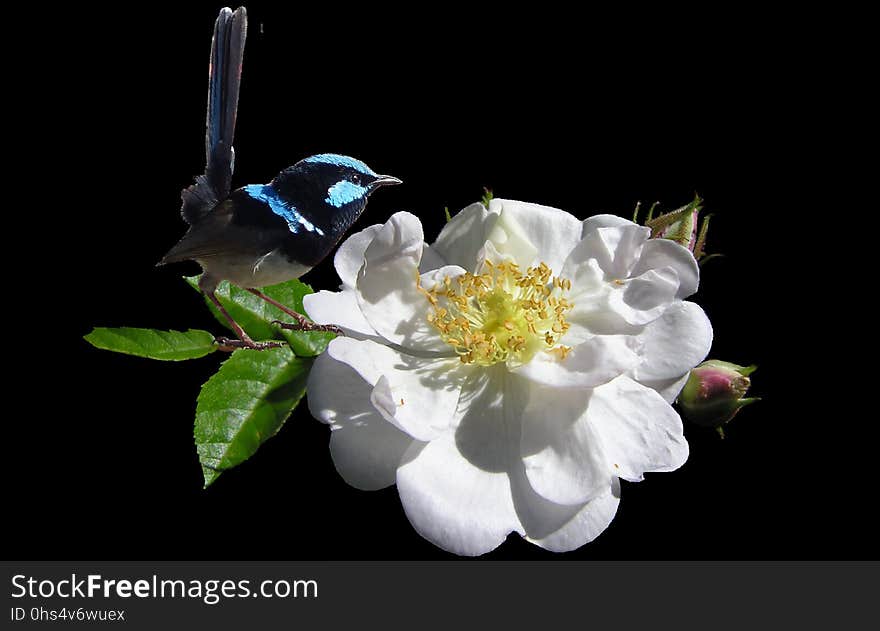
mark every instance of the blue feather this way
{"type": "Point", "coordinates": [344, 192]}
{"type": "Point", "coordinates": [341, 161]}
{"type": "Point", "coordinates": [295, 220]}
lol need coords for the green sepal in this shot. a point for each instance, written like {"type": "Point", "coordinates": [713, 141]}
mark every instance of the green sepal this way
{"type": "Point", "coordinates": [681, 234]}
{"type": "Point", "coordinates": [699, 246]}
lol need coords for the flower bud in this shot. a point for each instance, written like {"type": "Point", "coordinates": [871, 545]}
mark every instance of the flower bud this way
{"type": "Point", "coordinates": [715, 392]}
{"type": "Point", "coordinates": [682, 226]}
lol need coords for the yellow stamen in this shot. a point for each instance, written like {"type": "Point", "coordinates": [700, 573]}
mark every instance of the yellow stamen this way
{"type": "Point", "coordinates": [502, 315]}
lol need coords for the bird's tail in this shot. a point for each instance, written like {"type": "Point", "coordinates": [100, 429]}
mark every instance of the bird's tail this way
{"type": "Point", "coordinates": [227, 52]}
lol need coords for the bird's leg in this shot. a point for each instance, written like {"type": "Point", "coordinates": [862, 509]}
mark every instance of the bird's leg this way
{"type": "Point", "coordinates": [244, 340]}
{"type": "Point", "coordinates": [302, 324]}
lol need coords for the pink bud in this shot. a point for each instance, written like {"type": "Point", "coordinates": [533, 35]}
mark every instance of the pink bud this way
{"type": "Point", "coordinates": [715, 392]}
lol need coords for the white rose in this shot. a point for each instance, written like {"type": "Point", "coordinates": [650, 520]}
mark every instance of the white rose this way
{"type": "Point", "coordinates": [508, 375]}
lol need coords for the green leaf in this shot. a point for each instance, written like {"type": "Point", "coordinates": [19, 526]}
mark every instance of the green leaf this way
{"type": "Point", "coordinates": [244, 404]}
{"type": "Point", "coordinates": [255, 315]}
{"type": "Point", "coordinates": [164, 345]}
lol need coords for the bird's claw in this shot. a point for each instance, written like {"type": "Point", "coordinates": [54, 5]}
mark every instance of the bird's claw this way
{"type": "Point", "coordinates": [305, 325]}
{"type": "Point", "coordinates": [228, 345]}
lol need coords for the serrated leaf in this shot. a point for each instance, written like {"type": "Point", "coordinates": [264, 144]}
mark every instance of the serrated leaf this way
{"type": "Point", "coordinates": [255, 315]}
{"type": "Point", "coordinates": [152, 343]}
{"type": "Point", "coordinates": [244, 404]}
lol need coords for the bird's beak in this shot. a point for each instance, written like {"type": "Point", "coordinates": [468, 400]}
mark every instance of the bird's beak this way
{"type": "Point", "coordinates": [385, 180]}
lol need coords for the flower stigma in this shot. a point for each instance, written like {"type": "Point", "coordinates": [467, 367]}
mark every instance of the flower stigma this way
{"type": "Point", "coordinates": [501, 315]}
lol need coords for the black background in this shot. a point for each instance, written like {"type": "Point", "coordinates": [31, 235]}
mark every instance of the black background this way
{"type": "Point", "coordinates": [585, 112]}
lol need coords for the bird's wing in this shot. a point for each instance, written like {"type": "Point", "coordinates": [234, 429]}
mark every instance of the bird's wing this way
{"type": "Point", "coordinates": [227, 51]}
{"type": "Point", "coordinates": [222, 233]}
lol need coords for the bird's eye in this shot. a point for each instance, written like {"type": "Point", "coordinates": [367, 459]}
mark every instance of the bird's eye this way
{"type": "Point", "coordinates": [355, 179]}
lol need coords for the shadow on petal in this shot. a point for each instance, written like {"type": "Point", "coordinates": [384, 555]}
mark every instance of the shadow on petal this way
{"type": "Point", "coordinates": [481, 434]}
{"type": "Point", "coordinates": [434, 373]}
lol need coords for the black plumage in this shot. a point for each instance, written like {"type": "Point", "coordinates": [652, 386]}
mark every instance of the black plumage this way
{"type": "Point", "coordinates": [224, 82]}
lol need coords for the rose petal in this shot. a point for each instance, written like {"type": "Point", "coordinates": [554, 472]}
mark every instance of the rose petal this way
{"type": "Point", "coordinates": [489, 254]}
{"type": "Point", "coordinates": [367, 454]}
{"type": "Point", "coordinates": [659, 253]}
{"type": "Point", "coordinates": [436, 277]}
{"type": "Point", "coordinates": [431, 260]}
{"type": "Point", "coordinates": [643, 299]}
{"type": "Point", "coordinates": [510, 240]}
{"type": "Point", "coordinates": [591, 318]}
{"type": "Point", "coordinates": [596, 361]}
{"type": "Point", "coordinates": [603, 221]}
{"type": "Point", "coordinates": [559, 527]}
{"type": "Point", "coordinates": [553, 232]}
{"type": "Point", "coordinates": [640, 432]}
{"type": "Point", "coordinates": [417, 395]}
{"type": "Point", "coordinates": [587, 278]}
{"type": "Point", "coordinates": [350, 256]}
{"type": "Point", "coordinates": [674, 343]}
{"type": "Point", "coordinates": [340, 308]}
{"type": "Point", "coordinates": [366, 449]}
{"type": "Point", "coordinates": [466, 491]}
{"type": "Point", "coordinates": [563, 458]}
{"type": "Point", "coordinates": [606, 301]}
{"type": "Point", "coordinates": [388, 293]}
{"type": "Point", "coordinates": [591, 314]}
{"type": "Point", "coordinates": [616, 249]}
{"type": "Point", "coordinates": [452, 503]}
{"type": "Point", "coordinates": [669, 389]}
{"type": "Point", "coordinates": [463, 236]}
{"type": "Point", "coordinates": [337, 395]}
{"type": "Point", "coordinates": [585, 525]}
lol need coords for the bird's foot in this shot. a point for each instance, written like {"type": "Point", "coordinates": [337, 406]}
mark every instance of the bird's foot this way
{"type": "Point", "coordinates": [305, 325]}
{"type": "Point", "coordinates": [228, 345]}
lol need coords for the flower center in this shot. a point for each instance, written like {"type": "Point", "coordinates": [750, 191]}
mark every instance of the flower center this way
{"type": "Point", "coordinates": [502, 315]}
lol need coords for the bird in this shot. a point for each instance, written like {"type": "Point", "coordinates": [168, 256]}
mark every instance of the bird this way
{"type": "Point", "coordinates": [262, 234]}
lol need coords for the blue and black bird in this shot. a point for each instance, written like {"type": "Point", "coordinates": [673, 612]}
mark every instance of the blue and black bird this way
{"type": "Point", "coordinates": [262, 234]}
